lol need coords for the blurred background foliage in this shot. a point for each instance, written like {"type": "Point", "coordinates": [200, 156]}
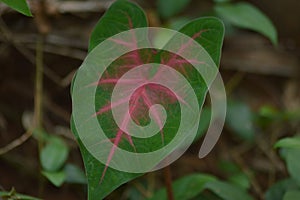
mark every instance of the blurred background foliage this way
{"type": "Point", "coordinates": [257, 156]}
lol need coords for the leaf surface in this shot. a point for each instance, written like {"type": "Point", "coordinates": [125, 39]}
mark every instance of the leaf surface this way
{"type": "Point", "coordinates": [245, 15]}
{"type": "Point", "coordinates": [277, 191]}
{"type": "Point", "coordinates": [292, 195]}
{"type": "Point", "coordinates": [292, 142]}
{"type": "Point", "coordinates": [228, 191]}
{"type": "Point", "coordinates": [18, 5]}
{"type": "Point", "coordinates": [54, 154]}
{"type": "Point", "coordinates": [122, 16]}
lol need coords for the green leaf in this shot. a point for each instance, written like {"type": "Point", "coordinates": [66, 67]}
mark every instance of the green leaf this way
{"type": "Point", "coordinates": [269, 112]}
{"type": "Point", "coordinates": [239, 118]}
{"type": "Point", "coordinates": [169, 8]}
{"type": "Point", "coordinates": [277, 191]}
{"type": "Point", "coordinates": [94, 169]}
{"type": "Point", "coordinates": [229, 167]}
{"type": "Point", "coordinates": [290, 142]}
{"type": "Point", "coordinates": [54, 154]}
{"type": "Point", "coordinates": [74, 174]}
{"type": "Point", "coordinates": [186, 187]}
{"type": "Point", "coordinates": [292, 195]}
{"type": "Point", "coordinates": [56, 178]}
{"type": "Point", "coordinates": [122, 16]}
{"type": "Point", "coordinates": [241, 180]}
{"type": "Point", "coordinates": [227, 191]}
{"type": "Point", "coordinates": [245, 15]}
{"type": "Point", "coordinates": [18, 5]}
{"type": "Point", "coordinates": [132, 16]}
{"type": "Point", "coordinates": [293, 164]}
{"type": "Point", "coordinates": [204, 122]}
{"type": "Point", "coordinates": [212, 35]}
{"type": "Point", "coordinates": [235, 175]}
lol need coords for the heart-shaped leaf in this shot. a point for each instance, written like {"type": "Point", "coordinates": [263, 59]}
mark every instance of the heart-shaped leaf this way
{"type": "Point", "coordinates": [122, 16]}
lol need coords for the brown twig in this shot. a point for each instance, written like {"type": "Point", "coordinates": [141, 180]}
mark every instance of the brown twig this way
{"type": "Point", "coordinates": [17, 142]}
{"type": "Point", "coordinates": [25, 52]}
{"type": "Point", "coordinates": [168, 182]}
{"type": "Point", "coordinates": [234, 82]}
{"type": "Point", "coordinates": [38, 102]}
{"type": "Point", "coordinates": [63, 51]}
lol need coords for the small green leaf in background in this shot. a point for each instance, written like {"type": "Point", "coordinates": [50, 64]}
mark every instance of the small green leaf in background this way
{"type": "Point", "coordinates": [227, 191]}
{"type": "Point", "coordinates": [277, 191]}
{"type": "Point", "coordinates": [293, 164]}
{"type": "Point", "coordinates": [268, 111]}
{"type": "Point", "coordinates": [228, 167]}
{"type": "Point", "coordinates": [241, 180]}
{"type": "Point", "coordinates": [186, 187]}
{"type": "Point", "coordinates": [292, 195]}
{"type": "Point", "coordinates": [268, 115]}
{"type": "Point", "coordinates": [290, 142]}
{"type": "Point", "coordinates": [245, 15]}
{"type": "Point", "coordinates": [57, 178]}
{"type": "Point", "coordinates": [169, 8]}
{"type": "Point", "coordinates": [234, 174]}
{"type": "Point", "coordinates": [239, 118]}
{"type": "Point", "coordinates": [18, 5]}
{"type": "Point", "coordinates": [291, 151]}
{"type": "Point", "coordinates": [54, 154]}
{"type": "Point", "coordinates": [74, 174]}
{"type": "Point", "coordinates": [69, 174]}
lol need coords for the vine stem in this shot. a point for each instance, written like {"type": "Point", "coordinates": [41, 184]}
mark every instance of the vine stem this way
{"type": "Point", "coordinates": [38, 101]}
{"type": "Point", "coordinates": [38, 96]}
{"type": "Point", "coordinates": [168, 182]}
